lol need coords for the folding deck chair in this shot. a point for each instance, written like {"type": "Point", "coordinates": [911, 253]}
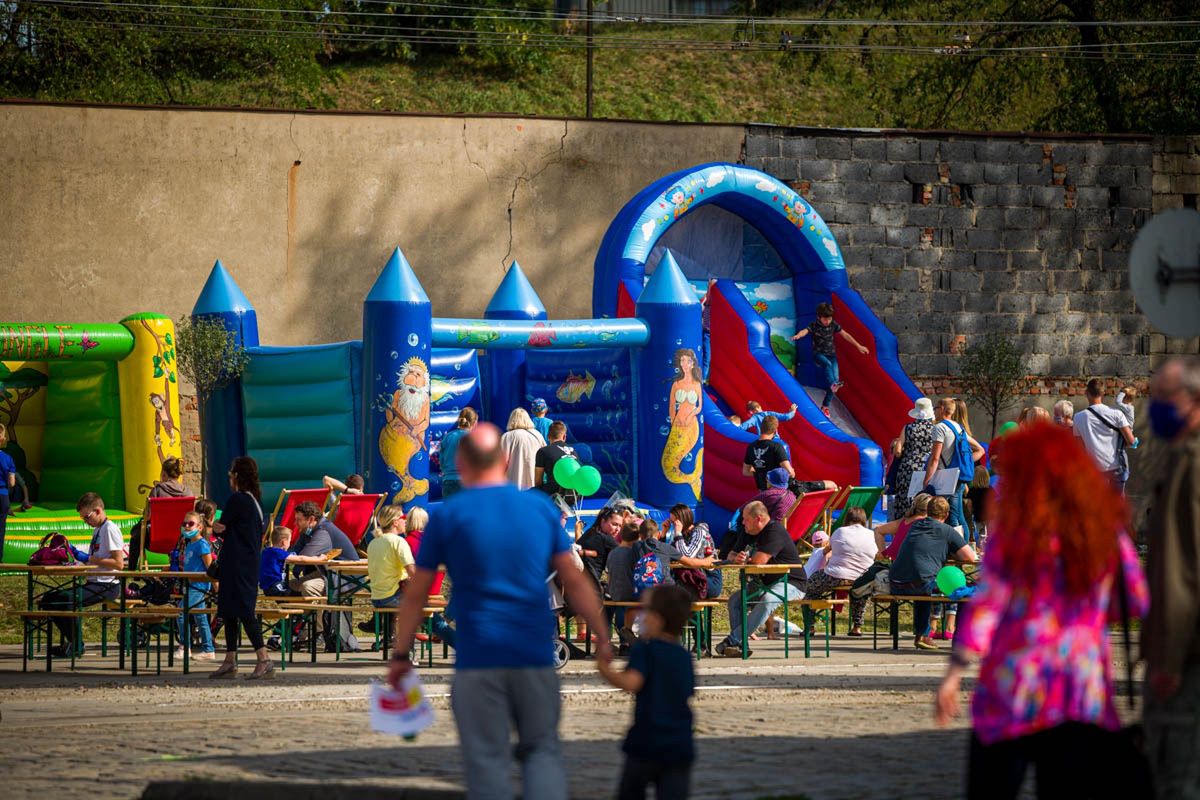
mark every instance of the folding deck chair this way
{"type": "Point", "coordinates": [162, 520]}
{"type": "Point", "coordinates": [806, 512]}
{"type": "Point", "coordinates": [864, 497]}
{"type": "Point", "coordinates": [352, 514]}
{"type": "Point", "coordinates": [288, 500]}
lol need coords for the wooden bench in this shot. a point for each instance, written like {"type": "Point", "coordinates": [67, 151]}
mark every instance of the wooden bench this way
{"type": "Point", "coordinates": [701, 622]}
{"type": "Point", "coordinates": [384, 637]}
{"type": "Point", "coordinates": [41, 620]}
{"type": "Point", "coordinates": [892, 603]}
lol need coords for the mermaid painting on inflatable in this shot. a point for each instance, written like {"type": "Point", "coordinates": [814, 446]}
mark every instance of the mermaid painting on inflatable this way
{"type": "Point", "coordinates": [686, 398]}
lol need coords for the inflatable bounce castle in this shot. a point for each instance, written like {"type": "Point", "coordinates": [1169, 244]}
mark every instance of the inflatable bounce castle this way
{"type": "Point", "coordinates": [628, 383]}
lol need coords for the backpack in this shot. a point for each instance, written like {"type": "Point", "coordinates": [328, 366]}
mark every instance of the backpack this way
{"type": "Point", "coordinates": [648, 572]}
{"type": "Point", "coordinates": [963, 460]}
{"type": "Point", "coordinates": [53, 551]}
{"type": "Point", "coordinates": [866, 584]}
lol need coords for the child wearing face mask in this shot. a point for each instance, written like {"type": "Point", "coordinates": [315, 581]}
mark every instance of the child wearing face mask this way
{"type": "Point", "coordinates": [195, 554]}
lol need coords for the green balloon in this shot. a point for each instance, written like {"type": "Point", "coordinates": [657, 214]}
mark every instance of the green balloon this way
{"type": "Point", "coordinates": [587, 481]}
{"type": "Point", "coordinates": [565, 470]}
{"type": "Point", "coordinates": [1005, 428]}
{"type": "Point", "coordinates": [949, 579]}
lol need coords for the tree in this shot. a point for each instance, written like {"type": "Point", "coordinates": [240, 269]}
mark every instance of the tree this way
{"type": "Point", "coordinates": [992, 373]}
{"type": "Point", "coordinates": [1055, 65]}
{"type": "Point", "coordinates": [211, 358]}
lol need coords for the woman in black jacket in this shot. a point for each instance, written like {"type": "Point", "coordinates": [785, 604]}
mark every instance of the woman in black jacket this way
{"type": "Point", "coordinates": [241, 530]}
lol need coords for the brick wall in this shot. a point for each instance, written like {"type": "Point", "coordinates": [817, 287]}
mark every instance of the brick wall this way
{"type": "Point", "coordinates": [950, 236]}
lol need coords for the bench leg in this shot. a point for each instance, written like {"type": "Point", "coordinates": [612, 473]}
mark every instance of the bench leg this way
{"type": "Point", "coordinates": [894, 624]}
{"type": "Point", "coordinates": [830, 616]}
{"type": "Point", "coordinates": [807, 615]}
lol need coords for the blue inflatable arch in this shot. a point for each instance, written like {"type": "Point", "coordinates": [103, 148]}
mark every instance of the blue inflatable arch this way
{"type": "Point", "coordinates": [785, 219]}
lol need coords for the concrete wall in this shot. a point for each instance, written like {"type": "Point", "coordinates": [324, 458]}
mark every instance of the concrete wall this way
{"type": "Point", "coordinates": [107, 211]}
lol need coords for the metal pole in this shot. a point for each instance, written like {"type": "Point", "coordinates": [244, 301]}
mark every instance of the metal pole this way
{"type": "Point", "coordinates": [590, 44]}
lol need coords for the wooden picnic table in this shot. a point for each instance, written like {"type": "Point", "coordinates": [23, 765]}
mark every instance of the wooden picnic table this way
{"type": "Point", "coordinates": [352, 578]}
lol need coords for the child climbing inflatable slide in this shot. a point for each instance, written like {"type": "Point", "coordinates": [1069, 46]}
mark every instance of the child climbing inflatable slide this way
{"type": "Point", "coordinates": [774, 259]}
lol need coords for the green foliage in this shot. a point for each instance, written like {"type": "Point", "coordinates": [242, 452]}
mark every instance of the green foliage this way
{"type": "Point", "coordinates": [1062, 75]}
{"type": "Point", "coordinates": [146, 54]}
{"type": "Point", "coordinates": [492, 56]}
{"type": "Point", "coordinates": [208, 355]}
{"type": "Point", "coordinates": [992, 372]}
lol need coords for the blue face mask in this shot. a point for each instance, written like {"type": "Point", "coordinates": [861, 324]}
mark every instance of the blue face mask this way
{"type": "Point", "coordinates": [189, 533]}
{"type": "Point", "coordinates": [1165, 419]}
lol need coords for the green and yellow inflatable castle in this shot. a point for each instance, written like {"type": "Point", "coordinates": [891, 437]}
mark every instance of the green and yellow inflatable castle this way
{"type": "Point", "coordinates": [89, 408]}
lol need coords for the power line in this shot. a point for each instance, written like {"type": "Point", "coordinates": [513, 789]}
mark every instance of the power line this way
{"type": "Point", "coordinates": [676, 19]}
{"type": "Point", "coordinates": [554, 41]}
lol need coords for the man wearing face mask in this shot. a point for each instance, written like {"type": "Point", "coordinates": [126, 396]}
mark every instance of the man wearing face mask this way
{"type": "Point", "coordinates": [1171, 637]}
{"type": "Point", "coordinates": [317, 537]}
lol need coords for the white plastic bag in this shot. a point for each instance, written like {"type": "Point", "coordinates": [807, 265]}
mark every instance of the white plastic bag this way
{"type": "Point", "coordinates": [403, 712]}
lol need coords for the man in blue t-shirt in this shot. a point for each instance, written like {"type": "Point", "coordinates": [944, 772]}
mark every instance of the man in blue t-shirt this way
{"type": "Point", "coordinates": [506, 628]}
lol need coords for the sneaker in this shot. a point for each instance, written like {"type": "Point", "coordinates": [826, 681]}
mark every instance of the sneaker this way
{"type": "Point", "coordinates": [204, 655]}
{"type": "Point", "coordinates": [734, 651]}
{"type": "Point", "coordinates": [925, 644]}
{"type": "Point", "coordinates": [60, 651]}
{"type": "Point", "coordinates": [825, 410]}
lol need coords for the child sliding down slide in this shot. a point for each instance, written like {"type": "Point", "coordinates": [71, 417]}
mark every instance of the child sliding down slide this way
{"type": "Point", "coordinates": [824, 355]}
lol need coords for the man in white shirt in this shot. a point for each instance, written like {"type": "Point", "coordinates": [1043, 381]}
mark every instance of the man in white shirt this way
{"type": "Point", "coordinates": [1105, 433]}
{"type": "Point", "coordinates": [107, 551]}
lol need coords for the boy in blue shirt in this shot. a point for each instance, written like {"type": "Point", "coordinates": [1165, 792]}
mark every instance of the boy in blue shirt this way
{"type": "Point", "coordinates": [195, 554]}
{"type": "Point", "coordinates": [658, 749]}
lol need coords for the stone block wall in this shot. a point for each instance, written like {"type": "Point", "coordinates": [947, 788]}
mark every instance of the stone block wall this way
{"type": "Point", "coordinates": [949, 236]}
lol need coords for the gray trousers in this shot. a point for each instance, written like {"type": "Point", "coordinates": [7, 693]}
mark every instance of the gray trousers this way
{"type": "Point", "coordinates": [1173, 739]}
{"type": "Point", "coordinates": [530, 696]}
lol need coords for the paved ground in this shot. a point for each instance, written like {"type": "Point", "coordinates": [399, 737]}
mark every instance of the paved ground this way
{"type": "Point", "coordinates": [856, 725]}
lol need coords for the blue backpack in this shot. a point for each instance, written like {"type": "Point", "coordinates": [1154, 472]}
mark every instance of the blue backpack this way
{"type": "Point", "coordinates": [962, 460]}
{"type": "Point", "coordinates": [648, 572]}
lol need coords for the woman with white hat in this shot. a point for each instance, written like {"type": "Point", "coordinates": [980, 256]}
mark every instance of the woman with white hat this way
{"type": "Point", "coordinates": [916, 442]}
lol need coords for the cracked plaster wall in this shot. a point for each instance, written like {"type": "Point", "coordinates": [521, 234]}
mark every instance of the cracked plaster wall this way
{"type": "Point", "coordinates": [108, 211]}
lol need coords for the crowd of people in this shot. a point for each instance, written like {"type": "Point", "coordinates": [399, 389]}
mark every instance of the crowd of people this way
{"type": "Point", "coordinates": [1060, 568]}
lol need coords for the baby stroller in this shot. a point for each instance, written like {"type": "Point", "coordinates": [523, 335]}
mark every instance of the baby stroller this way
{"type": "Point", "coordinates": [562, 653]}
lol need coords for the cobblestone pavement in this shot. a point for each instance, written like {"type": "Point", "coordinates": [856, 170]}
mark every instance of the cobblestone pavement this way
{"type": "Point", "coordinates": [819, 728]}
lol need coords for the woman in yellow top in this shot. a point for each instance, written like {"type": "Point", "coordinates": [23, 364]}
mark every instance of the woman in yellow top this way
{"type": "Point", "coordinates": [686, 399]}
{"type": "Point", "coordinates": [389, 559]}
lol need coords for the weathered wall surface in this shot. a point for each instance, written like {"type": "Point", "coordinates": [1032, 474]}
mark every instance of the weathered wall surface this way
{"type": "Point", "coordinates": [949, 237]}
{"type": "Point", "coordinates": [107, 211]}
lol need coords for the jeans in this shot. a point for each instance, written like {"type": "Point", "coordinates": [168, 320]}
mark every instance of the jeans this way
{"type": "Point", "coordinates": [956, 517]}
{"type": "Point", "coordinates": [670, 780]}
{"type": "Point", "coordinates": [195, 599]}
{"type": "Point", "coordinates": [921, 611]}
{"type": "Point", "coordinates": [1172, 744]}
{"type": "Point", "coordinates": [450, 487]}
{"type": "Point", "coordinates": [829, 371]}
{"type": "Point", "coordinates": [763, 608]}
{"type": "Point", "coordinates": [93, 592]}
{"type": "Point", "coordinates": [479, 698]}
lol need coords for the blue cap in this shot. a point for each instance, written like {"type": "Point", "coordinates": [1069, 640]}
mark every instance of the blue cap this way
{"type": "Point", "coordinates": [538, 405]}
{"type": "Point", "coordinates": [778, 478]}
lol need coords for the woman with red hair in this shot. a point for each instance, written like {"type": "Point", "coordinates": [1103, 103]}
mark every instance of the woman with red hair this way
{"type": "Point", "coordinates": [1040, 622]}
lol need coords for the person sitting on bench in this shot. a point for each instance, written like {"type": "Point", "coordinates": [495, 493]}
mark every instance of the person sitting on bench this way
{"type": "Point", "coordinates": [926, 549]}
{"type": "Point", "coordinates": [850, 552]}
{"type": "Point", "coordinates": [107, 551]}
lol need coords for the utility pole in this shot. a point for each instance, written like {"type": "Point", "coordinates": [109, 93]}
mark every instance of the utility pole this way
{"type": "Point", "coordinates": [590, 44]}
